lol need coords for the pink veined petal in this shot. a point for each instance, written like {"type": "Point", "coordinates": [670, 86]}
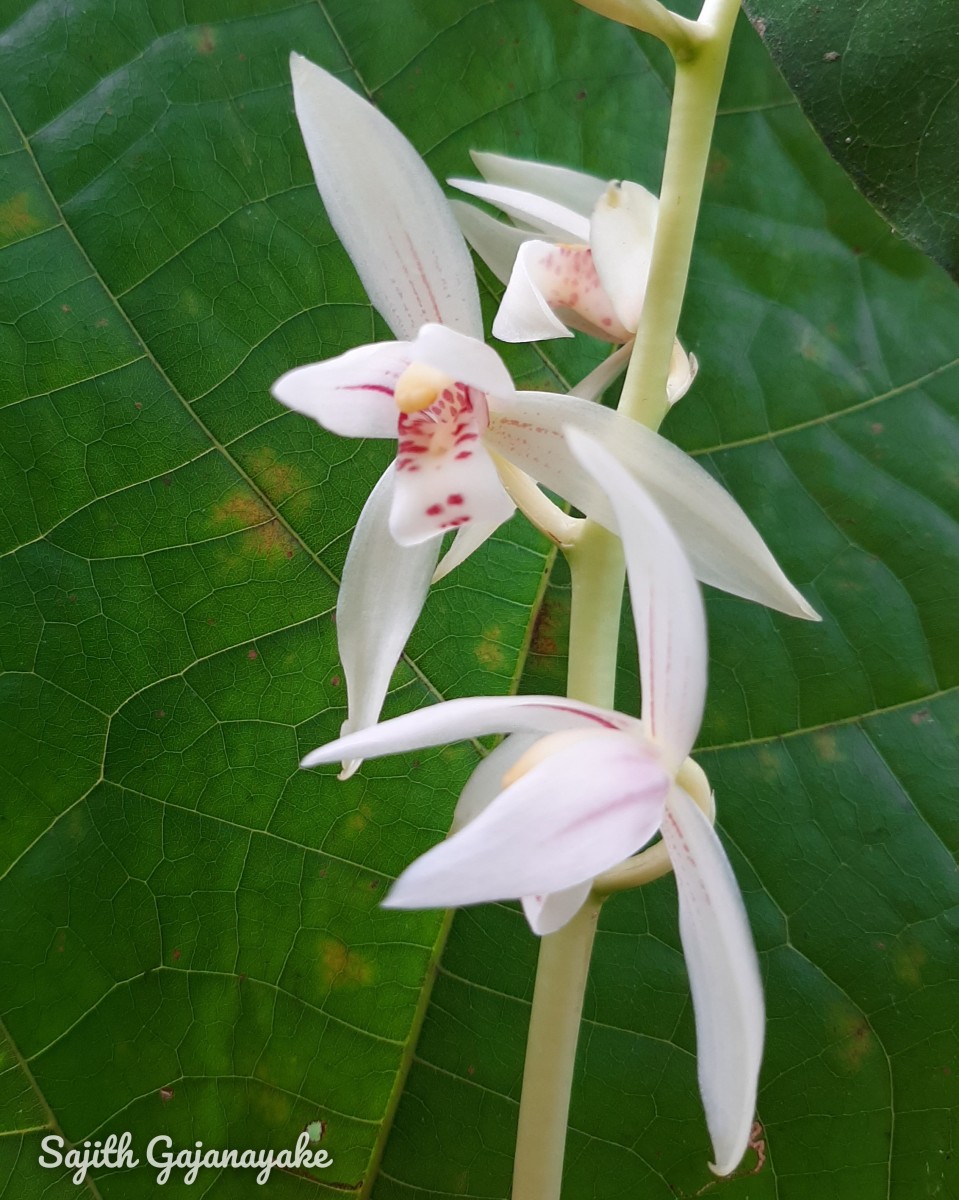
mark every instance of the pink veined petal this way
{"type": "Point", "coordinates": [548, 913]}
{"type": "Point", "coordinates": [468, 539]}
{"type": "Point", "coordinates": [573, 189]}
{"type": "Point", "coordinates": [386, 207]}
{"type": "Point", "coordinates": [553, 286]}
{"type": "Point", "coordinates": [583, 809]}
{"type": "Point", "coordinates": [621, 237]}
{"type": "Point", "coordinates": [381, 595]}
{"type": "Point", "coordinates": [722, 543]}
{"type": "Point", "coordinates": [667, 606]}
{"type": "Point", "coordinates": [486, 782]}
{"type": "Point", "coordinates": [723, 977]}
{"type": "Point", "coordinates": [546, 216]}
{"type": "Point", "coordinates": [351, 395]}
{"type": "Point", "coordinates": [466, 359]}
{"type": "Point", "coordinates": [445, 479]}
{"type": "Point", "coordinates": [496, 242]}
{"type": "Point", "coordinates": [473, 716]}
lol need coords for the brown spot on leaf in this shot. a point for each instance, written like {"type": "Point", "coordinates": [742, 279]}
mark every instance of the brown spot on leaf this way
{"type": "Point", "coordinates": [205, 40]}
{"type": "Point", "coordinates": [251, 654]}
{"type": "Point", "coordinates": [166, 1094]}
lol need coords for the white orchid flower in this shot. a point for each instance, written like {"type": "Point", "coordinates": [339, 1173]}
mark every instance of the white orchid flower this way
{"type": "Point", "coordinates": [577, 257]}
{"type": "Point", "coordinates": [469, 446]}
{"type": "Point", "coordinates": [591, 787]}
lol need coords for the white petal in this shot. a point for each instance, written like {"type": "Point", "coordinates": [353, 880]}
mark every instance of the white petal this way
{"type": "Point", "coordinates": [445, 478]}
{"type": "Point", "coordinates": [548, 913]}
{"type": "Point", "coordinates": [466, 359]}
{"type": "Point", "coordinates": [723, 977]}
{"type": "Point", "coordinates": [592, 386]}
{"type": "Point", "coordinates": [474, 716]}
{"type": "Point", "coordinates": [683, 369]}
{"type": "Point", "coordinates": [467, 541]}
{"type": "Point", "coordinates": [581, 810]}
{"type": "Point", "coordinates": [621, 237]}
{"type": "Point", "coordinates": [351, 395]}
{"type": "Point", "coordinates": [486, 782]}
{"type": "Point", "coordinates": [386, 207]}
{"type": "Point", "coordinates": [494, 241]}
{"type": "Point", "coordinates": [723, 545]}
{"type": "Point", "coordinates": [544, 215]}
{"type": "Point", "coordinates": [381, 594]}
{"type": "Point", "coordinates": [525, 313]}
{"type": "Point", "coordinates": [573, 189]}
{"type": "Point", "coordinates": [554, 286]}
{"type": "Point", "coordinates": [667, 606]}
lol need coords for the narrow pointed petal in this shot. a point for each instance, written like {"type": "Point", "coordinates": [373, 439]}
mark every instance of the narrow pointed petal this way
{"type": "Point", "coordinates": [351, 395]}
{"type": "Point", "coordinates": [553, 286]}
{"type": "Point", "coordinates": [473, 716]}
{"type": "Point", "coordinates": [722, 543]}
{"type": "Point", "coordinates": [486, 782]}
{"type": "Point", "coordinates": [581, 810]}
{"type": "Point", "coordinates": [548, 913]}
{"type": "Point", "coordinates": [621, 237]}
{"type": "Point", "coordinates": [381, 595]}
{"type": "Point", "coordinates": [496, 242]}
{"type": "Point", "coordinates": [546, 216]}
{"type": "Point", "coordinates": [467, 541]}
{"type": "Point", "coordinates": [667, 606]}
{"type": "Point", "coordinates": [466, 359]}
{"type": "Point", "coordinates": [445, 478]}
{"type": "Point", "coordinates": [386, 207]}
{"type": "Point", "coordinates": [683, 369]}
{"type": "Point", "coordinates": [592, 386]}
{"type": "Point", "coordinates": [723, 977]}
{"type": "Point", "coordinates": [572, 189]}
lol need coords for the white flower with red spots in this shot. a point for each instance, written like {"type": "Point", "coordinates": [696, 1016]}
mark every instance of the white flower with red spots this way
{"type": "Point", "coordinates": [577, 258]}
{"type": "Point", "coordinates": [469, 446]}
{"type": "Point", "coordinates": [587, 787]}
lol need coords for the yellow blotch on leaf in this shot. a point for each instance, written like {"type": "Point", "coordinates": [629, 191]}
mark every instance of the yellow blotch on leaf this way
{"type": "Point", "coordinates": [342, 967]}
{"type": "Point", "coordinates": [488, 650]}
{"type": "Point", "coordinates": [16, 219]}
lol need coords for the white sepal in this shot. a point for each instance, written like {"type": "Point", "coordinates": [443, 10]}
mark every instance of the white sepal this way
{"type": "Point", "coordinates": [723, 977]}
{"type": "Point", "coordinates": [621, 238]}
{"type": "Point", "coordinates": [473, 716]}
{"type": "Point", "coordinates": [496, 242]}
{"type": "Point", "coordinates": [582, 809]}
{"type": "Point", "coordinates": [722, 543]}
{"type": "Point", "coordinates": [524, 314]}
{"type": "Point", "coordinates": [352, 394]}
{"type": "Point", "coordinates": [548, 913]}
{"type": "Point", "coordinates": [465, 359]}
{"type": "Point", "coordinates": [365, 605]}
{"type": "Point", "coordinates": [667, 606]}
{"type": "Point", "coordinates": [546, 216]}
{"type": "Point", "coordinates": [575, 190]}
{"type": "Point", "coordinates": [386, 207]}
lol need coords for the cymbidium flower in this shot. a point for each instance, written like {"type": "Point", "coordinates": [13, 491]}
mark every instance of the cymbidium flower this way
{"type": "Point", "coordinates": [578, 257]}
{"type": "Point", "coordinates": [593, 787]}
{"type": "Point", "coordinates": [469, 446]}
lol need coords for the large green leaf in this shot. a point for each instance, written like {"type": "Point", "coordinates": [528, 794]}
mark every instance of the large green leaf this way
{"type": "Point", "coordinates": [879, 82]}
{"type": "Point", "coordinates": [190, 932]}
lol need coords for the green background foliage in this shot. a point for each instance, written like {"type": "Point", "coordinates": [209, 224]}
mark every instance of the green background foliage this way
{"type": "Point", "coordinates": [879, 82]}
{"type": "Point", "coordinates": [189, 926]}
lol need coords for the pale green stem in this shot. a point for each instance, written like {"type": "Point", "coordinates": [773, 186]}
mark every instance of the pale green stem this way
{"type": "Point", "coordinates": [651, 17]}
{"type": "Point", "coordinates": [695, 100]}
{"type": "Point", "coordinates": [597, 572]}
{"type": "Point", "coordinates": [596, 566]}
